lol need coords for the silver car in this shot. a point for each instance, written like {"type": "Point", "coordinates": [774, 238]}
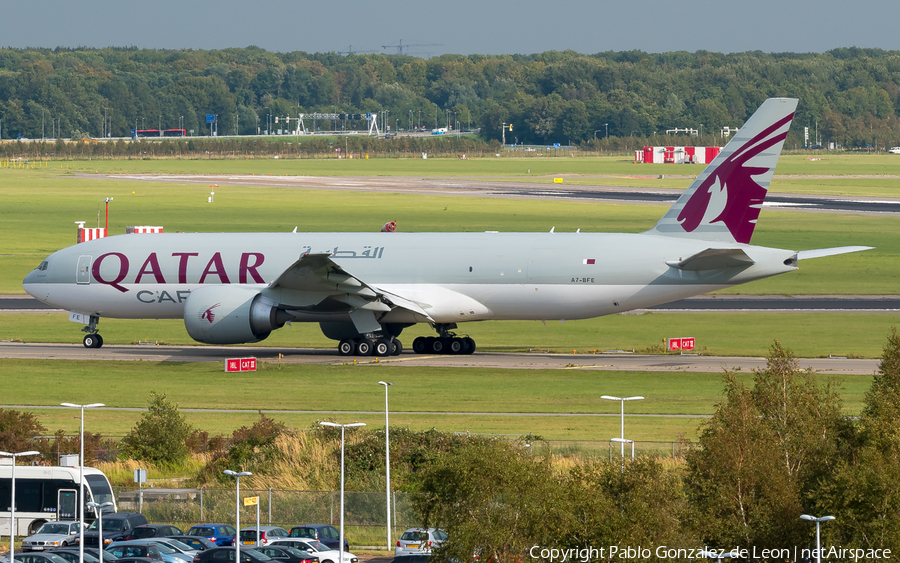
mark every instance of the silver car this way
{"type": "Point", "coordinates": [52, 534]}
{"type": "Point", "coordinates": [419, 541]}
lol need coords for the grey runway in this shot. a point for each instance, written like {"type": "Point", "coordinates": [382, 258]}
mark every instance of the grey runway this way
{"type": "Point", "coordinates": [496, 360]}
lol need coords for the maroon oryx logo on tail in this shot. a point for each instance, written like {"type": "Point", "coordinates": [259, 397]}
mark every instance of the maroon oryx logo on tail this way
{"type": "Point", "coordinates": [738, 196]}
{"type": "Point", "coordinates": [209, 315]}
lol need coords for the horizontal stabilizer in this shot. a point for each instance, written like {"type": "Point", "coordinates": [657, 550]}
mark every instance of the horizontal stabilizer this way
{"type": "Point", "coordinates": [713, 259]}
{"type": "Point", "coordinates": [822, 252]}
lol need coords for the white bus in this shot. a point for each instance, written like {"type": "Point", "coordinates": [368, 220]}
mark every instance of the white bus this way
{"type": "Point", "coordinates": [49, 493]}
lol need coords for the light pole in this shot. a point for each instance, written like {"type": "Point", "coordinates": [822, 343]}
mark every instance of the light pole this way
{"type": "Point", "coordinates": [387, 460]}
{"type": "Point", "coordinates": [237, 510]}
{"type": "Point", "coordinates": [818, 521]}
{"type": "Point", "coordinates": [12, 503]}
{"type": "Point", "coordinates": [342, 427]}
{"type": "Point", "coordinates": [81, 477]}
{"type": "Point", "coordinates": [622, 400]}
{"type": "Point", "coordinates": [98, 510]}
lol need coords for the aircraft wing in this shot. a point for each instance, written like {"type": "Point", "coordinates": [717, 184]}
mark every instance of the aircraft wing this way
{"type": "Point", "coordinates": [318, 283]}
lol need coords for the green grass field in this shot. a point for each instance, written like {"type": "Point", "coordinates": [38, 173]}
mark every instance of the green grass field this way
{"type": "Point", "coordinates": [509, 165]}
{"type": "Point", "coordinates": [446, 391]}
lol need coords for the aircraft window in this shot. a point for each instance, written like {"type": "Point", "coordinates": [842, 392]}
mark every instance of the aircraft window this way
{"type": "Point", "coordinates": [43, 266]}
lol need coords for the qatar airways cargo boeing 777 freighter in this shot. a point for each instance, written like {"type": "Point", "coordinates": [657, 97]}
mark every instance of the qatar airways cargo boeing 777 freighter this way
{"type": "Point", "coordinates": [365, 288]}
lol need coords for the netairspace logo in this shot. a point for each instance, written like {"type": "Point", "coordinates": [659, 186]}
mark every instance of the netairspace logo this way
{"type": "Point", "coordinates": [629, 553]}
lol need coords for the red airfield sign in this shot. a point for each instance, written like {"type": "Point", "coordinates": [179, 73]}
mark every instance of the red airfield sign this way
{"type": "Point", "coordinates": [681, 344]}
{"type": "Point", "coordinates": [240, 364]}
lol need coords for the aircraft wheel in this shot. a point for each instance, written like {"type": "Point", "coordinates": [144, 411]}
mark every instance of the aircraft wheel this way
{"type": "Point", "coordinates": [419, 345]}
{"type": "Point", "coordinates": [439, 346]}
{"type": "Point", "coordinates": [99, 341]}
{"type": "Point", "coordinates": [364, 347]}
{"type": "Point", "coordinates": [397, 349]}
{"type": "Point", "coordinates": [470, 345]}
{"type": "Point", "coordinates": [456, 346]}
{"type": "Point", "coordinates": [346, 347]}
{"type": "Point", "coordinates": [90, 341]}
{"type": "Point", "coordinates": [429, 345]}
{"type": "Point", "coordinates": [382, 347]}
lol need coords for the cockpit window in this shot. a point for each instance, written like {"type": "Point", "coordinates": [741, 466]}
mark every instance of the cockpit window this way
{"type": "Point", "coordinates": [43, 266]}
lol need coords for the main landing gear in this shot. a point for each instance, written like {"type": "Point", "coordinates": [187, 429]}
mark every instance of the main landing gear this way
{"type": "Point", "coordinates": [370, 345]}
{"type": "Point", "coordinates": [93, 338]}
{"type": "Point", "coordinates": [445, 343]}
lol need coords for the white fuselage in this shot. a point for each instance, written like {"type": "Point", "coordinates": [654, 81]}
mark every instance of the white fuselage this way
{"type": "Point", "coordinates": [455, 277]}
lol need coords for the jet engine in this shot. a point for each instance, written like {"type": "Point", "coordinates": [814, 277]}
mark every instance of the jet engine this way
{"type": "Point", "coordinates": [224, 314]}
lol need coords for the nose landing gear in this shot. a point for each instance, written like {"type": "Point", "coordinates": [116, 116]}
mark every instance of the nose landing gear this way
{"type": "Point", "coordinates": [93, 338]}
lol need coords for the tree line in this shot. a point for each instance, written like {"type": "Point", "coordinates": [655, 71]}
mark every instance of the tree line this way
{"type": "Point", "coordinates": [850, 96]}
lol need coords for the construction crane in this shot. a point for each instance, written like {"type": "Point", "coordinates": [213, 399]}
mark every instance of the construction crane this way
{"type": "Point", "coordinates": [400, 46]}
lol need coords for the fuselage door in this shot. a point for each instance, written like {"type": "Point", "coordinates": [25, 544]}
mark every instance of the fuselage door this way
{"type": "Point", "coordinates": [83, 273]}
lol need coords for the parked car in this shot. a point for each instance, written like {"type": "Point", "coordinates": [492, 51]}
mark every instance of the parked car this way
{"type": "Point", "coordinates": [91, 554]}
{"type": "Point", "coordinates": [329, 535]}
{"type": "Point", "coordinates": [226, 555]}
{"type": "Point", "coordinates": [177, 546]}
{"type": "Point", "coordinates": [36, 558]}
{"type": "Point", "coordinates": [412, 559]}
{"type": "Point", "coordinates": [287, 554]}
{"type": "Point", "coordinates": [266, 534]}
{"type": "Point", "coordinates": [52, 534]}
{"type": "Point", "coordinates": [319, 549]}
{"type": "Point", "coordinates": [149, 548]}
{"type": "Point", "coordinates": [894, 150]}
{"type": "Point", "coordinates": [70, 554]}
{"type": "Point", "coordinates": [221, 534]}
{"type": "Point", "coordinates": [116, 527]}
{"type": "Point", "coordinates": [152, 531]}
{"type": "Point", "coordinates": [196, 543]}
{"type": "Point", "coordinates": [419, 541]}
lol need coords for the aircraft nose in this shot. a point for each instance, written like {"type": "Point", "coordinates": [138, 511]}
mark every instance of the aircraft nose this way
{"type": "Point", "coordinates": [28, 284]}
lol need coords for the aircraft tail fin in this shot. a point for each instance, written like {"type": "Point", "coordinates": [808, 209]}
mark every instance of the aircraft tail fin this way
{"type": "Point", "coordinates": [723, 203]}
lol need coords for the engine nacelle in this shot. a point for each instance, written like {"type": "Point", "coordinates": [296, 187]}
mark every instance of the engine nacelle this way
{"type": "Point", "coordinates": [225, 314]}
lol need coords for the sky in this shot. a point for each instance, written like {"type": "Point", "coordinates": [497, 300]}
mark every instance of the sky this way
{"type": "Point", "coordinates": [431, 28]}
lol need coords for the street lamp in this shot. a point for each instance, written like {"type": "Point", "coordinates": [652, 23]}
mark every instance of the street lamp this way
{"type": "Point", "coordinates": [342, 427]}
{"type": "Point", "coordinates": [622, 400]}
{"type": "Point", "coordinates": [818, 521]}
{"type": "Point", "coordinates": [12, 503]}
{"type": "Point", "coordinates": [81, 476]}
{"type": "Point", "coordinates": [387, 460]}
{"type": "Point", "coordinates": [237, 510]}
{"type": "Point", "coordinates": [98, 510]}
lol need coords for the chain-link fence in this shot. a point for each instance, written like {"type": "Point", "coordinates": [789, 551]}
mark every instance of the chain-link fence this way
{"type": "Point", "coordinates": [606, 449]}
{"type": "Point", "coordinates": [365, 514]}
